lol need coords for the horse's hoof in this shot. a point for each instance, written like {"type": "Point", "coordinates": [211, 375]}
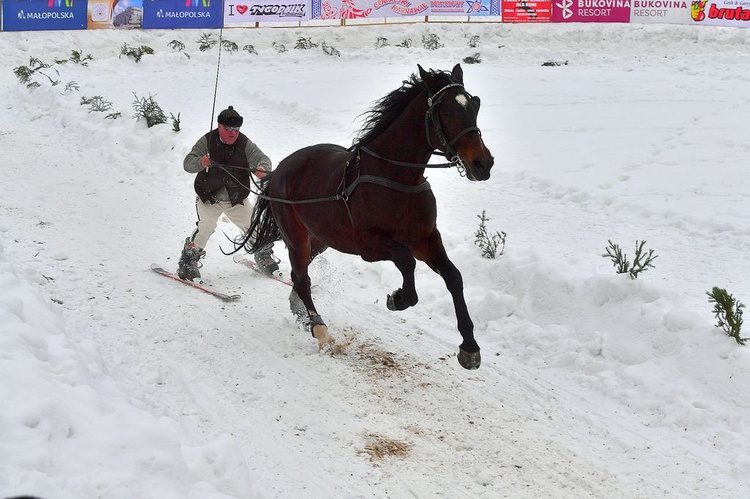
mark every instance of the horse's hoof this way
{"type": "Point", "coordinates": [320, 333]}
{"type": "Point", "coordinates": [469, 360]}
{"type": "Point", "coordinates": [389, 303]}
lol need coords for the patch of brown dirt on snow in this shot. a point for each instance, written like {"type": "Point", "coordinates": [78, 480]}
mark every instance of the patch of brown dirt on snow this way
{"type": "Point", "coordinates": [379, 447]}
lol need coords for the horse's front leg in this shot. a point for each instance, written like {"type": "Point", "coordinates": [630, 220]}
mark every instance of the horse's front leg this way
{"type": "Point", "coordinates": [406, 295]}
{"type": "Point", "coordinates": [434, 255]}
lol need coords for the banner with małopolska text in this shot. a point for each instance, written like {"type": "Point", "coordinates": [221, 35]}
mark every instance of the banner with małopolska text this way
{"type": "Point", "coordinates": [171, 14]}
{"type": "Point", "coordinates": [43, 15]}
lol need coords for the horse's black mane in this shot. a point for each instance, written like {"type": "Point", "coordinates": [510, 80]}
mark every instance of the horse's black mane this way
{"type": "Point", "coordinates": [388, 108]}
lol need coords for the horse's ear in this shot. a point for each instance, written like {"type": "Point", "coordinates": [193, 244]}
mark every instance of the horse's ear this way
{"type": "Point", "coordinates": [458, 74]}
{"type": "Point", "coordinates": [426, 77]}
{"type": "Point", "coordinates": [477, 101]}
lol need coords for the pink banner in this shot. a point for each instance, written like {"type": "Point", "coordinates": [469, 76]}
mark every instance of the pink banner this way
{"type": "Point", "coordinates": [591, 11]}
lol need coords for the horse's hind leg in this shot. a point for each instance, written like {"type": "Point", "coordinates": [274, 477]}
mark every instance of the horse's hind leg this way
{"type": "Point", "coordinates": [300, 300]}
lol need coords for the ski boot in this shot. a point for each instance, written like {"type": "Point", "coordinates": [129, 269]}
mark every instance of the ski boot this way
{"type": "Point", "coordinates": [187, 267]}
{"type": "Point", "coordinates": [265, 260]}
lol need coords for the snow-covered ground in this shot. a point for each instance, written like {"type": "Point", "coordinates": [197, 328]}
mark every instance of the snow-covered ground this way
{"type": "Point", "coordinates": [118, 383]}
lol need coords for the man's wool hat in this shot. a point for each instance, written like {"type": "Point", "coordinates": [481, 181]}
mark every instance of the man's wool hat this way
{"type": "Point", "coordinates": [230, 117]}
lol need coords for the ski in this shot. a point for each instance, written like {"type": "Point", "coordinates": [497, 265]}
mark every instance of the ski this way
{"type": "Point", "coordinates": [247, 262]}
{"type": "Point", "coordinates": [222, 296]}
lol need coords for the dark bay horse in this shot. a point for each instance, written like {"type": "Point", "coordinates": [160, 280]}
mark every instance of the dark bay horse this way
{"type": "Point", "coordinates": [373, 200]}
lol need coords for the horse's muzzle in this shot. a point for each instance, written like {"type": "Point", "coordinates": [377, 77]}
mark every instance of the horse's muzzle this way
{"type": "Point", "coordinates": [479, 169]}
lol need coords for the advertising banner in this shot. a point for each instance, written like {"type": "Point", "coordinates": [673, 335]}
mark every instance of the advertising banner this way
{"type": "Point", "coordinates": [38, 15]}
{"type": "Point", "coordinates": [122, 14]}
{"type": "Point", "coordinates": [464, 8]}
{"type": "Point", "coordinates": [245, 11]}
{"type": "Point", "coordinates": [521, 11]}
{"type": "Point", "coordinates": [183, 14]}
{"type": "Point", "coordinates": [591, 11]}
{"type": "Point", "coordinates": [358, 9]}
{"type": "Point", "coordinates": [660, 12]}
{"type": "Point", "coordinates": [721, 12]}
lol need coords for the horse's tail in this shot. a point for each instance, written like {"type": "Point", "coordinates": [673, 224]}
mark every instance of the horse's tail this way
{"type": "Point", "coordinates": [263, 229]}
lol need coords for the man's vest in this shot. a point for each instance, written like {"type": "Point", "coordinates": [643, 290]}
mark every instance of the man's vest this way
{"type": "Point", "coordinates": [235, 175]}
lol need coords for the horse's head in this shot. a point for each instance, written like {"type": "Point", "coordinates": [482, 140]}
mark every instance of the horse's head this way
{"type": "Point", "coordinates": [451, 122]}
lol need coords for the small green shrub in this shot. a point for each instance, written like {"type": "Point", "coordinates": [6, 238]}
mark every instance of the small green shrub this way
{"type": "Point", "coordinates": [175, 122]}
{"type": "Point", "coordinates": [431, 41]}
{"type": "Point", "coordinates": [492, 245]}
{"type": "Point", "coordinates": [136, 53]}
{"type": "Point", "coordinates": [206, 42]}
{"type": "Point", "coordinates": [26, 74]}
{"type": "Point", "coordinates": [229, 46]}
{"type": "Point", "coordinates": [250, 49]}
{"type": "Point", "coordinates": [728, 313]}
{"type": "Point", "coordinates": [381, 42]}
{"type": "Point", "coordinates": [96, 104]}
{"type": "Point", "coordinates": [305, 44]}
{"type": "Point", "coordinates": [99, 105]}
{"type": "Point", "coordinates": [641, 262]}
{"type": "Point", "coordinates": [77, 57]}
{"type": "Point", "coordinates": [148, 109]}
{"type": "Point", "coordinates": [474, 41]}
{"type": "Point", "coordinates": [330, 50]}
{"type": "Point", "coordinates": [176, 46]}
{"type": "Point", "coordinates": [473, 59]}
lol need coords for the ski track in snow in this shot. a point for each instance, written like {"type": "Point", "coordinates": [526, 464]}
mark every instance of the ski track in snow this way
{"type": "Point", "coordinates": [268, 414]}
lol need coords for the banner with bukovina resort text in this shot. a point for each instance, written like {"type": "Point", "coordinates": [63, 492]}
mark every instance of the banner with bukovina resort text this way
{"type": "Point", "coordinates": [660, 12]}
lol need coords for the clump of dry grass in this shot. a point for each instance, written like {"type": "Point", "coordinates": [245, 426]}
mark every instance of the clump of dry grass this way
{"type": "Point", "coordinates": [379, 447]}
{"type": "Point", "coordinates": [380, 362]}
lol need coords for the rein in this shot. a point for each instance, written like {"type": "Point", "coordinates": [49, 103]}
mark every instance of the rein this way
{"type": "Point", "coordinates": [430, 118]}
{"type": "Point", "coordinates": [346, 192]}
{"type": "Point", "coordinates": [403, 163]}
{"type": "Point", "coordinates": [216, 82]}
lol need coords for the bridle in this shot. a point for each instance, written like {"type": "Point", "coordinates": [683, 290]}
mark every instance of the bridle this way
{"type": "Point", "coordinates": [431, 118]}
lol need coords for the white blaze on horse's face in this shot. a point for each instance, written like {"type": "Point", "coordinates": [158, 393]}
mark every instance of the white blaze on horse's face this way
{"type": "Point", "coordinates": [462, 100]}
